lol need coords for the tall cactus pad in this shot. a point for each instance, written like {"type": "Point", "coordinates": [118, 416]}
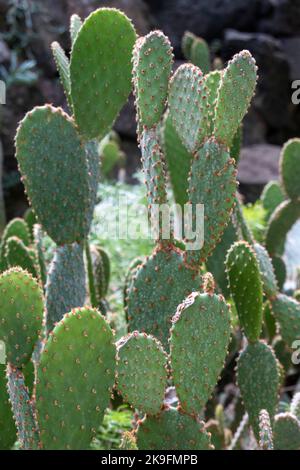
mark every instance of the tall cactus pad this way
{"type": "Point", "coordinates": [142, 372]}
{"type": "Point", "coordinates": [287, 313]}
{"type": "Point", "coordinates": [212, 82]}
{"type": "Point", "coordinates": [101, 273]}
{"type": "Point", "coordinates": [272, 196]}
{"type": "Point", "coordinates": [200, 55]}
{"type": "Point", "coordinates": [152, 64]}
{"type": "Point", "coordinates": [159, 286]}
{"type": "Point", "coordinates": [154, 170]}
{"type": "Point", "coordinates": [265, 431]}
{"type": "Point", "coordinates": [186, 44]}
{"type": "Point", "coordinates": [23, 411]}
{"type": "Point", "coordinates": [286, 432]}
{"type": "Point", "coordinates": [290, 168]}
{"type": "Point", "coordinates": [101, 70]}
{"type": "Point", "coordinates": [8, 432]}
{"type": "Point", "coordinates": [74, 380]}
{"type": "Point", "coordinates": [199, 340]}
{"type": "Point", "coordinates": [188, 105]}
{"type": "Point", "coordinates": [246, 288]}
{"type": "Point", "coordinates": [212, 183]}
{"type": "Point", "coordinates": [75, 26]}
{"type": "Point", "coordinates": [281, 221]}
{"type": "Point", "coordinates": [172, 430]}
{"type": "Point", "coordinates": [21, 314]}
{"type": "Point", "coordinates": [235, 93]}
{"type": "Point", "coordinates": [178, 161]}
{"type": "Point", "coordinates": [53, 163]}
{"type": "Point", "coordinates": [66, 283]}
{"type": "Point", "coordinates": [63, 67]}
{"type": "Point", "coordinates": [270, 286]}
{"type": "Point", "coordinates": [258, 380]}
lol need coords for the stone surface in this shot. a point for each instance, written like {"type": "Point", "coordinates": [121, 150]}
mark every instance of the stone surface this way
{"type": "Point", "coordinates": [259, 164]}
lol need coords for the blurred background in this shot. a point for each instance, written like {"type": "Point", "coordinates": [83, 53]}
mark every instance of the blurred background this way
{"type": "Point", "coordinates": [270, 29]}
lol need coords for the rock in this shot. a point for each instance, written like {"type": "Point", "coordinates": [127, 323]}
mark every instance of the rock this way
{"type": "Point", "coordinates": [207, 19]}
{"type": "Point", "coordinates": [273, 94]}
{"type": "Point", "coordinates": [291, 49]}
{"type": "Point", "coordinates": [259, 164]}
{"type": "Point", "coordinates": [284, 19]}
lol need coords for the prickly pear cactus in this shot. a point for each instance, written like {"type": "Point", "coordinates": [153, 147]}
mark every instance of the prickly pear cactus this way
{"type": "Point", "coordinates": [265, 431]}
{"type": "Point", "coordinates": [21, 315]}
{"type": "Point", "coordinates": [74, 380]}
{"type": "Point", "coordinates": [290, 168]}
{"type": "Point", "coordinates": [287, 313]}
{"type": "Point", "coordinates": [101, 75]}
{"type": "Point", "coordinates": [172, 430]}
{"type": "Point", "coordinates": [8, 432]}
{"type": "Point", "coordinates": [199, 340]}
{"type": "Point", "coordinates": [258, 380]}
{"type": "Point", "coordinates": [286, 432]}
{"type": "Point", "coordinates": [246, 287]}
{"type": "Point", "coordinates": [142, 372]}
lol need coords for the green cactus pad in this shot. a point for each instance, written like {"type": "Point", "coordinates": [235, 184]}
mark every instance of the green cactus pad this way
{"type": "Point", "coordinates": [142, 372]}
{"type": "Point", "coordinates": [101, 70]}
{"type": "Point", "coordinates": [129, 278]}
{"type": "Point", "coordinates": [265, 431]}
{"type": "Point", "coordinates": [267, 273]}
{"type": "Point", "coordinates": [161, 283]}
{"type": "Point", "coordinates": [66, 283]}
{"type": "Point", "coordinates": [8, 432]}
{"type": "Point", "coordinates": [246, 287]}
{"type": "Point", "coordinates": [213, 184]}
{"type": "Point", "coordinates": [63, 67]}
{"type": "Point", "coordinates": [272, 196]}
{"type": "Point", "coordinates": [258, 380]}
{"type": "Point", "coordinates": [287, 313]}
{"type": "Point", "coordinates": [200, 55]}
{"type": "Point", "coordinates": [281, 221]}
{"type": "Point", "coordinates": [101, 273]}
{"type": "Point", "coordinates": [199, 341]}
{"type": "Point", "coordinates": [15, 228]}
{"type": "Point", "coordinates": [236, 145]}
{"type": "Point", "coordinates": [53, 163]}
{"type": "Point", "coordinates": [17, 254]}
{"type": "Point", "coordinates": [154, 170]}
{"type": "Point", "coordinates": [280, 270]}
{"type": "Point", "coordinates": [186, 44]}
{"type": "Point", "coordinates": [28, 434]}
{"type": "Point", "coordinates": [172, 430]}
{"type": "Point", "coordinates": [212, 82]}
{"type": "Point", "coordinates": [21, 314]}
{"type": "Point", "coordinates": [290, 168]}
{"type": "Point", "coordinates": [235, 93]}
{"type": "Point", "coordinates": [178, 161]}
{"type": "Point", "coordinates": [31, 221]}
{"type": "Point", "coordinates": [286, 432]}
{"type": "Point", "coordinates": [75, 26]}
{"type": "Point", "coordinates": [38, 242]}
{"type": "Point", "coordinates": [295, 405]}
{"type": "Point", "coordinates": [188, 106]}
{"type": "Point", "coordinates": [152, 65]}
{"type": "Point", "coordinates": [74, 380]}
{"type": "Point", "coordinates": [215, 263]}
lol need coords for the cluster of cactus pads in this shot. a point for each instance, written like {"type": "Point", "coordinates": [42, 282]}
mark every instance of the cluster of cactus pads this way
{"type": "Point", "coordinates": [63, 359]}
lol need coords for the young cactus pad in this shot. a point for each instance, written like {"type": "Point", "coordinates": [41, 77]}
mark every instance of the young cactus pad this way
{"type": "Point", "coordinates": [159, 286]}
{"type": "Point", "coordinates": [100, 70]}
{"type": "Point", "coordinates": [213, 184]}
{"type": "Point", "coordinates": [246, 287]}
{"type": "Point", "coordinates": [235, 93]}
{"type": "Point", "coordinates": [188, 105]}
{"type": "Point", "coordinates": [287, 313]}
{"type": "Point", "coordinates": [152, 64]}
{"type": "Point", "coordinates": [280, 223]}
{"type": "Point", "coordinates": [8, 432]}
{"type": "Point", "coordinates": [142, 372]}
{"type": "Point", "coordinates": [290, 168]}
{"type": "Point", "coordinates": [258, 380]}
{"type": "Point", "coordinates": [265, 431]}
{"type": "Point", "coordinates": [54, 167]}
{"type": "Point", "coordinates": [269, 281]}
{"type": "Point", "coordinates": [172, 430]}
{"type": "Point", "coordinates": [199, 340]}
{"type": "Point", "coordinates": [21, 314]}
{"type": "Point", "coordinates": [74, 380]}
